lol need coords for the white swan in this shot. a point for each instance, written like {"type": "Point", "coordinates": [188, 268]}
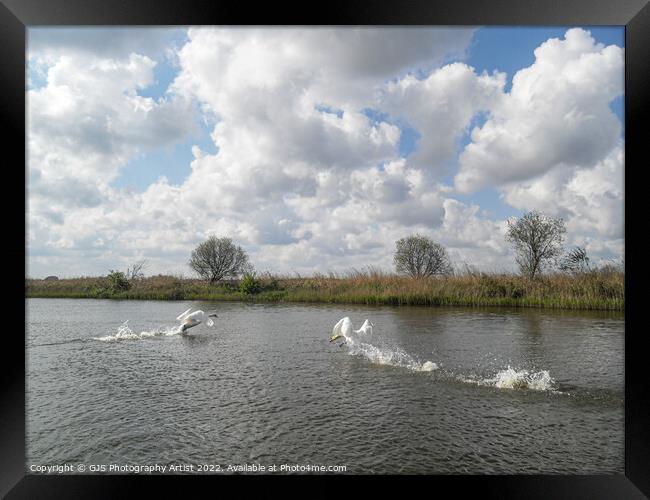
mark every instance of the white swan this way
{"type": "Point", "coordinates": [344, 329]}
{"type": "Point", "coordinates": [189, 320]}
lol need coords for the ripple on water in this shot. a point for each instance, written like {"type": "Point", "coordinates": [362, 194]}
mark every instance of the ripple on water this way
{"type": "Point", "coordinates": [438, 391]}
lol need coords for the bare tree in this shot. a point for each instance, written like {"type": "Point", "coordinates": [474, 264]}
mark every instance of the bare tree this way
{"type": "Point", "coordinates": [576, 261]}
{"type": "Point", "coordinates": [218, 258]}
{"type": "Point", "coordinates": [137, 271]}
{"type": "Point", "coordinates": [419, 256]}
{"type": "Point", "coordinates": [537, 240]}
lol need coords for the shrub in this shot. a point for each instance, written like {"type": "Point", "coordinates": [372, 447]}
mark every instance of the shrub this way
{"type": "Point", "coordinates": [117, 281]}
{"type": "Point", "coordinates": [270, 283]}
{"type": "Point", "coordinates": [492, 287]}
{"type": "Point", "coordinates": [576, 261]}
{"type": "Point", "coordinates": [249, 284]}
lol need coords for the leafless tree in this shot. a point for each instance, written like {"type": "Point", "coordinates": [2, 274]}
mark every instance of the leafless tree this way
{"type": "Point", "coordinates": [137, 271]}
{"type": "Point", "coordinates": [537, 241]}
{"type": "Point", "coordinates": [419, 256]}
{"type": "Point", "coordinates": [218, 258]}
{"type": "Point", "coordinates": [576, 261]}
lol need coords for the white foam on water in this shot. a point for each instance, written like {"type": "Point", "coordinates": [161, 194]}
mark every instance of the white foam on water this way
{"type": "Point", "coordinates": [428, 366]}
{"type": "Point", "coordinates": [523, 379]}
{"type": "Point", "coordinates": [517, 379]}
{"type": "Point", "coordinates": [124, 332]}
{"type": "Point", "coordinates": [390, 357]}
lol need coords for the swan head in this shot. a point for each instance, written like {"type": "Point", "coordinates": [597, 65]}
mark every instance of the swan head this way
{"type": "Point", "coordinates": [334, 337]}
{"type": "Point", "coordinates": [213, 315]}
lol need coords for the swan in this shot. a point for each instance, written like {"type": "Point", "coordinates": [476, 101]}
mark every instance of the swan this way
{"type": "Point", "coordinates": [189, 320]}
{"type": "Point", "coordinates": [344, 329]}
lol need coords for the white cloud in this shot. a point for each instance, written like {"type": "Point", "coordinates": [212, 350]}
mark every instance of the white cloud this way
{"type": "Point", "coordinates": [89, 120]}
{"type": "Point", "coordinates": [302, 177]}
{"type": "Point", "coordinates": [440, 107]}
{"type": "Point", "coordinates": [557, 113]}
{"type": "Point", "coordinates": [341, 64]}
{"type": "Point", "coordinates": [590, 200]}
{"type": "Point", "coordinates": [48, 44]}
{"type": "Point", "coordinates": [84, 124]}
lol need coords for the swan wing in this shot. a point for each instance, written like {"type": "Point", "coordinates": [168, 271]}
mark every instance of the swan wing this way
{"type": "Point", "coordinates": [366, 327]}
{"type": "Point", "coordinates": [195, 316]}
{"type": "Point", "coordinates": [184, 315]}
{"type": "Point", "coordinates": [342, 327]}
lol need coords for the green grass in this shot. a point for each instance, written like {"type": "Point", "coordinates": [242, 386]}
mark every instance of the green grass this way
{"type": "Point", "coordinates": [600, 289]}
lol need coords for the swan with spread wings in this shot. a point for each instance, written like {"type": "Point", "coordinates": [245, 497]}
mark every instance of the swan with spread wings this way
{"type": "Point", "coordinates": [191, 319]}
{"type": "Point", "coordinates": [345, 329]}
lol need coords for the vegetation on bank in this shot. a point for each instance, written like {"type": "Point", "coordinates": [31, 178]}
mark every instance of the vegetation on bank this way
{"type": "Point", "coordinates": [601, 288]}
{"type": "Point", "coordinates": [548, 277]}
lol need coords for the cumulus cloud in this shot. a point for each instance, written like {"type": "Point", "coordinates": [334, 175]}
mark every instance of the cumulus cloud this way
{"type": "Point", "coordinates": [341, 64]}
{"type": "Point", "coordinates": [302, 175]}
{"type": "Point", "coordinates": [84, 124]}
{"type": "Point", "coordinates": [557, 114]}
{"type": "Point", "coordinates": [440, 107]}
{"type": "Point", "coordinates": [48, 44]}
{"type": "Point", "coordinates": [590, 200]}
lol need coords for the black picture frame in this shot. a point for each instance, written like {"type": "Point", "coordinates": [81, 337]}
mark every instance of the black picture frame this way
{"type": "Point", "coordinates": [17, 15]}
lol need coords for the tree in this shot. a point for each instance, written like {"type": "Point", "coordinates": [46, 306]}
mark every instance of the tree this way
{"type": "Point", "coordinates": [419, 256]}
{"type": "Point", "coordinates": [137, 271]}
{"type": "Point", "coordinates": [537, 240]}
{"type": "Point", "coordinates": [218, 258]}
{"type": "Point", "coordinates": [576, 261]}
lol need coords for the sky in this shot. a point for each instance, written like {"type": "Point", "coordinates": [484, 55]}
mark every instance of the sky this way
{"type": "Point", "coordinates": [316, 149]}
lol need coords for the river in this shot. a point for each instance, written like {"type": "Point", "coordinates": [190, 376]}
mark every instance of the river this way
{"type": "Point", "coordinates": [429, 391]}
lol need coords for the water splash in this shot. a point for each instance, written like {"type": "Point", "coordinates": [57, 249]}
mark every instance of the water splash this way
{"type": "Point", "coordinates": [428, 366]}
{"type": "Point", "coordinates": [513, 379]}
{"type": "Point", "coordinates": [390, 357]}
{"type": "Point", "coordinates": [124, 332]}
{"type": "Point", "coordinates": [523, 379]}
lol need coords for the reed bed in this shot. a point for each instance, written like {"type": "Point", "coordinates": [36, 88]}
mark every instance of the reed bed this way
{"type": "Point", "coordinates": [598, 289]}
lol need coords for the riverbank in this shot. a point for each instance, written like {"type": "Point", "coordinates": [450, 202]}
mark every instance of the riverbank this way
{"type": "Point", "coordinates": [594, 290]}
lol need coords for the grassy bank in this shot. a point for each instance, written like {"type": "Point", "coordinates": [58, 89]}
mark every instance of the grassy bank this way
{"type": "Point", "coordinates": [602, 289]}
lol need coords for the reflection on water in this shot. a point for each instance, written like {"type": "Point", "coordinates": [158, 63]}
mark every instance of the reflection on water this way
{"type": "Point", "coordinates": [433, 390]}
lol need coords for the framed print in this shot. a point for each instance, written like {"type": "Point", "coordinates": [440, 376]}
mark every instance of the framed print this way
{"type": "Point", "coordinates": [364, 241]}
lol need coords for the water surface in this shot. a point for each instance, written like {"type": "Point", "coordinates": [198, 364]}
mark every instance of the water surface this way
{"type": "Point", "coordinates": [433, 390]}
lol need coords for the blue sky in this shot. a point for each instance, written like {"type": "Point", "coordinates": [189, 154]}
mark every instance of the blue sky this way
{"type": "Point", "coordinates": [171, 162]}
{"type": "Point", "coordinates": [435, 173]}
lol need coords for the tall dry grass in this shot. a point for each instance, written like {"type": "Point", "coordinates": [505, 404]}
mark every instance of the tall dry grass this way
{"type": "Point", "coordinates": [598, 289]}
